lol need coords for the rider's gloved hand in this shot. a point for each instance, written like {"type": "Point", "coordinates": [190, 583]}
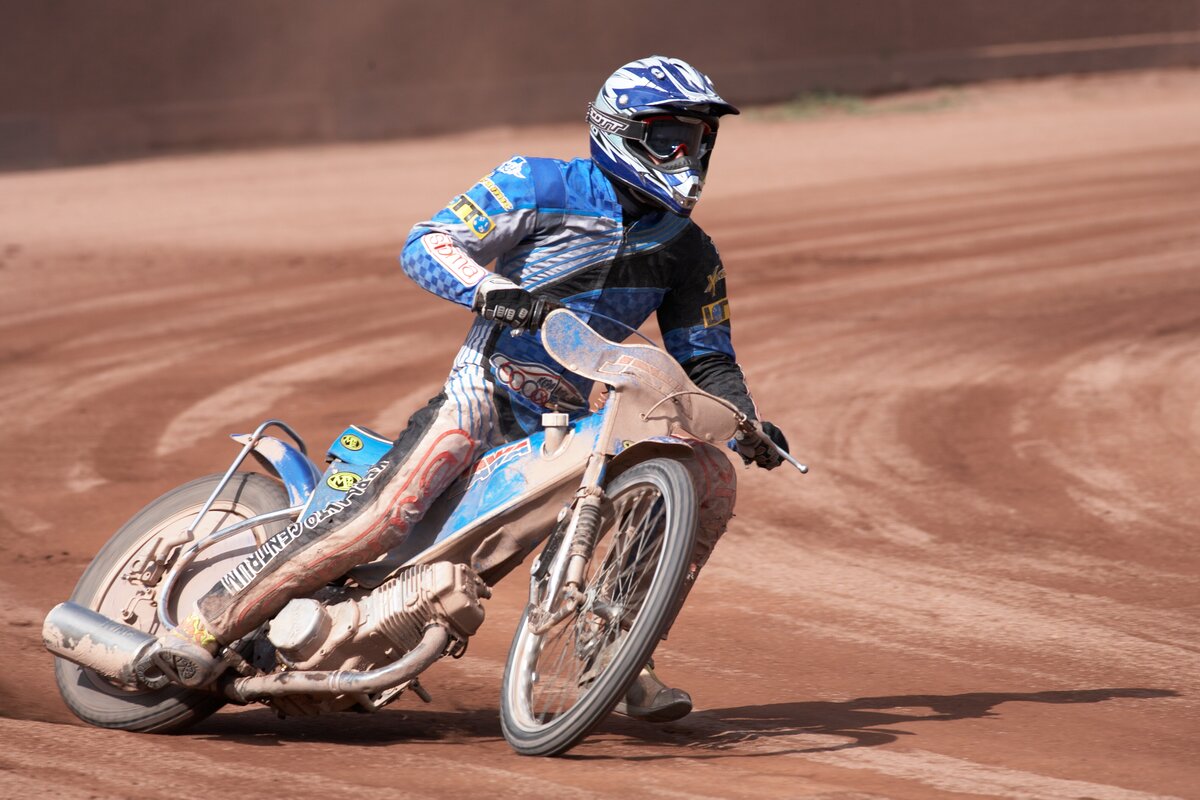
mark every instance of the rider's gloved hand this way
{"type": "Point", "coordinates": [514, 306]}
{"type": "Point", "coordinates": [752, 448]}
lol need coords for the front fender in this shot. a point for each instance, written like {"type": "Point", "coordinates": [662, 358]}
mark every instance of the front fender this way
{"type": "Point", "coordinates": [656, 447]}
{"type": "Point", "coordinates": [298, 473]}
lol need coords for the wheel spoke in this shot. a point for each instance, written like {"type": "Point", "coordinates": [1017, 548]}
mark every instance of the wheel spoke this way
{"type": "Point", "coordinates": [562, 660]}
{"type": "Point", "coordinates": [560, 683]}
{"type": "Point", "coordinates": [555, 671]}
{"type": "Point", "coordinates": [618, 548]}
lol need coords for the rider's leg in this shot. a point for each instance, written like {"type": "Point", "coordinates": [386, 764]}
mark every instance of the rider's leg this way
{"type": "Point", "coordinates": [648, 698]}
{"type": "Point", "coordinates": [441, 440]}
{"type": "Point", "coordinates": [716, 485]}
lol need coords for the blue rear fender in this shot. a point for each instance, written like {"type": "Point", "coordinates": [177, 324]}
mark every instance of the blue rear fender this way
{"type": "Point", "coordinates": [298, 473]}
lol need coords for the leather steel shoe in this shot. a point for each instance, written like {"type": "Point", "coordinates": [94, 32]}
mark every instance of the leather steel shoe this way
{"type": "Point", "coordinates": [651, 700]}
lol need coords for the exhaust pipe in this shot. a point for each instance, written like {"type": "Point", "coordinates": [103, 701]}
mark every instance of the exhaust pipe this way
{"type": "Point", "coordinates": [279, 684]}
{"type": "Point", "coordinates": [92, 640]}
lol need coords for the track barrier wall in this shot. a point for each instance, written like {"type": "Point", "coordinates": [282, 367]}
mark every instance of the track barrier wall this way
{"type": "Point", "coordinates": [84, 82]}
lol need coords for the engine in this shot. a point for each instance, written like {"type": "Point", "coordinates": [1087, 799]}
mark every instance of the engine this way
{"type": "Point", "coordinates": [362, 633]}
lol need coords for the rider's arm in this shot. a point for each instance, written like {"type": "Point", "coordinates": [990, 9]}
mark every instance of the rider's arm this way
{"type": "Point", "coordinates": [447, 255]}
{"type": "Point", "coordinates": [694, 319]}
{"type": "Point", "coordinates": [719, 374]}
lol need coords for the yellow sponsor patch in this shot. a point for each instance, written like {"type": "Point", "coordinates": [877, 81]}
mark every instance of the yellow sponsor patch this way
{"type": "Point", "coordinates": [716, 313]}
{"type": "Point", "coordinates": [714, 278]}
{"type": "Point", "coordinates": [472, 215]}
{"type": "Point", "coordinates": [342, 481]}
{"type": "Point", "coordinates": [495, 191]}
{"type": "Point", "coordinates": [352, 442]}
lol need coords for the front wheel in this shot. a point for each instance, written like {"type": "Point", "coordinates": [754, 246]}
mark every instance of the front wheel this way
{"type": "Point", "coordinates": [560, 684]}
{"type": "Point", "coordinates": [111, 586]}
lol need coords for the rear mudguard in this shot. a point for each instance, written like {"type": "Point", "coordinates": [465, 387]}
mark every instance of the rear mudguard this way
{"type": "Point", "coordinates": [298, 473]}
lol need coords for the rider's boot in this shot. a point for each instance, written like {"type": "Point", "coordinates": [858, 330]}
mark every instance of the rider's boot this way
{"type": "Point", "coordinates": [651, 700]}
{"type": "Point", "coordinates": [186, 656]}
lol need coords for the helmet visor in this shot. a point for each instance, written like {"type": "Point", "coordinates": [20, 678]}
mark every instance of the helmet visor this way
{"type": "Point", "coordinates": [668, 136]}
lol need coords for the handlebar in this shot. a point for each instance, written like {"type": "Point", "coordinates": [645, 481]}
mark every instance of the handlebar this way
{"type": "Point", "coordinates": [747, 428]}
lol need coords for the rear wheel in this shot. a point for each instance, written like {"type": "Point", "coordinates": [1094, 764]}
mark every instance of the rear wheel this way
{"type": "Point", "coordinates": [109, 586]}
{"type": "Point", "coordinates": [559, 684]}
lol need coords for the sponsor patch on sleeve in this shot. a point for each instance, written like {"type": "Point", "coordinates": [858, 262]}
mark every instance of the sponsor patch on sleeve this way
{"type": "Point", "coordinates": [515, 167]}
{"type": "Point", "coordinates": [716, 313]}
{"type": "Point", "coordinates": [714, 278]}
{"type": "Point", "coordinates": [449, 255]}
{"type": "Point", "coordinates": [497, 193]}
{"type": "Point", "coordinates": [472, 215]}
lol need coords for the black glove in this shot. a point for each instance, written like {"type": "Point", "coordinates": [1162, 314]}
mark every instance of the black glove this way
{"type": "Point", "coordinates": [515, 307]}
{"type": "Point", "coordinates": [753, 449]}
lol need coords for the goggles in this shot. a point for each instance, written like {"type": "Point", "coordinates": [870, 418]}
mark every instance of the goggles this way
{"type": "Point", "coordinates": [669, 137]}
{"type": "Point", "coordinates": [665, 136]}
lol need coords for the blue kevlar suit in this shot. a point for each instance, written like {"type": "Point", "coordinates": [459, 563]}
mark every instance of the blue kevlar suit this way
{"type": "Point", "coordinates": [558, 229]}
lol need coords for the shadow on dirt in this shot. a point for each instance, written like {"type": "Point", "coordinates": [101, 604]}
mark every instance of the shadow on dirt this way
{"type": "Point", "coordinates": [394, 725]}
{"type": "Point", "coordinates": [822, 726]}
{"type": "Point", "coordinates": [263, 728]}
{"type": "Point", "coordinates": [774, 729]}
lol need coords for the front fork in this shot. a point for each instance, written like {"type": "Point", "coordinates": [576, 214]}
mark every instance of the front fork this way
{"type": "Point", "coordinates": [563, 581]}
{"type": "Point", "coordinates": [564, 578]}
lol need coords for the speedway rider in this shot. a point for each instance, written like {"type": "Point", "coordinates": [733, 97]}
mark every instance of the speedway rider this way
{"type": "Point", "coordinates": [610, 237]}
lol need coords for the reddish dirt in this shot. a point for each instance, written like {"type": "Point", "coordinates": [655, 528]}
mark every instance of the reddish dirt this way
{"type": "Point", "coordinates": [975, 317]}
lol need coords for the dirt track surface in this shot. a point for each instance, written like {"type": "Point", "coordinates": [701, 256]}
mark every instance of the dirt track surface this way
{"type": "Point", "coordinates": [977, 320]}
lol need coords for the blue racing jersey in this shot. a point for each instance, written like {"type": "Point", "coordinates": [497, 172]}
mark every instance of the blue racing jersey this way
{"type": "Point", "coordinates": [557, 229]}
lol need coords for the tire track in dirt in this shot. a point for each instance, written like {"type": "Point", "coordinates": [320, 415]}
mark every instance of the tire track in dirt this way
{"type": "Point", "coordinates": [986, 586]}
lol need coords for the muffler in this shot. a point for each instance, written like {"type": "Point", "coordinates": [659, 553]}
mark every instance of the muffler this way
{"type": "Point", "coordinates": [92, 640]}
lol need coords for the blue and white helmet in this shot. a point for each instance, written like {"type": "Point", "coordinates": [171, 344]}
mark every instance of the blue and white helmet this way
{"type": "Point", "coordinates": [653, 127]}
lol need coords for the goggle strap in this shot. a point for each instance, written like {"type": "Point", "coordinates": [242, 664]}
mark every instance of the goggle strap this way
{"type": "Point", "coordinates": [619, 126]}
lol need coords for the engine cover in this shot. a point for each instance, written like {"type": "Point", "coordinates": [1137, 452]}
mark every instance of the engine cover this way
{"type": "Point", "coordinates": [380, 627]}
{"type": "Point", "coordinates": [442, 592]}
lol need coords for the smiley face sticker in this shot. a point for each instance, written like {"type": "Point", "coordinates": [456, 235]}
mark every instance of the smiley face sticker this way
{"type": "Point", "coordinates": [342, 481]}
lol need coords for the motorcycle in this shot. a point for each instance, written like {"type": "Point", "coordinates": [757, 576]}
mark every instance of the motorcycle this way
{"type": "Point", "coordinates": [607, 497]}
